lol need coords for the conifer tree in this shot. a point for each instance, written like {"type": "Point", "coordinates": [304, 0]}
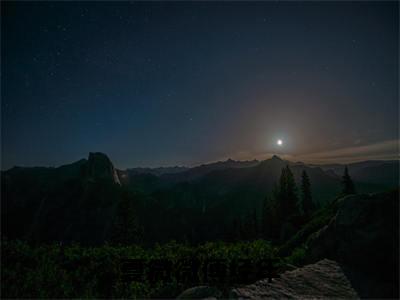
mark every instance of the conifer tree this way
{"type": "Point", "coordinates": [265, 215]}
{"type": "Point", "coordinates": [291, 191]}
{"type": "Point", "coordinates": [306, 197]}
{"type": "Point", "coordinates": [125, 229]}
{"type": "Point", "coordinates": [255, 223]}
{"type": "Point", "coordinates": [348, 185]}
{"type": "Point", "coordinates": [249, 226]}
{"type": "Point", "coordinates": [237, 229]}
{"type": "Point", "coordinates": [287, 197]}
{"type": "Point", "coordinates": [270, 222]}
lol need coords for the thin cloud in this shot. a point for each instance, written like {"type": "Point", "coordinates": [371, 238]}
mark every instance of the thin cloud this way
{"type": "Point", "coordinates": [379, 151]}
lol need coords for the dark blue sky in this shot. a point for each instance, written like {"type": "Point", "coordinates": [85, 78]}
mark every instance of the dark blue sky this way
{"type": "Point", "coordinates": [183, 83]}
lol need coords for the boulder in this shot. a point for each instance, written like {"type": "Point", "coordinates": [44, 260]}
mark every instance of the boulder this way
{"type": "Point", "coordinates": [324, 279]}
{"type": "Point", "coordinates": [201, 292]}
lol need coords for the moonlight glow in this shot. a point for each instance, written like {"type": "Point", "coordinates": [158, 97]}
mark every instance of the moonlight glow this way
{"type": "Point", "coordinates": [279, 142]}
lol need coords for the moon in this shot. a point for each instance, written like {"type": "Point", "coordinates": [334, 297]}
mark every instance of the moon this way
{"type": "Point", "coordinates": [279, 142]}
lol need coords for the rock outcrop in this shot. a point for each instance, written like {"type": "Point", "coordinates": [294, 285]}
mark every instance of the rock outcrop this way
{"type": "Point", "coordinates": [354, 255]}
{"type": "Point", "coordinates": [324, 279]}
{"type": "Point", "coordinates": [99, 166]}
{"type": "Point", "coordinates": [364, 237]}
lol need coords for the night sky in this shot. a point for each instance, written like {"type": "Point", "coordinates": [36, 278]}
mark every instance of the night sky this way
{"type": "Point", "coordinates": [183, 83]}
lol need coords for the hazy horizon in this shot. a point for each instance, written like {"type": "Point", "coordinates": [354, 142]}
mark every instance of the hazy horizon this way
{"type": "Point", "coordinates": [265, 156]}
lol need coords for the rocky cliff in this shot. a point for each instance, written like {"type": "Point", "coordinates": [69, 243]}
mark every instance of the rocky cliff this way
{"type": "Point", "coordinates": [99, 166]}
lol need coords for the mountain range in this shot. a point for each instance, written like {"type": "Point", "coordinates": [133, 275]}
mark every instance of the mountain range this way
{"type": "Point", "coordinates": [79, 201]}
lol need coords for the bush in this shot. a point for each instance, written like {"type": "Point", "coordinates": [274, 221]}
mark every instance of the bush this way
{"type": "Point", "coordinates": [73, 271]}
{"type": "Point", "coordinates": [297, 256]}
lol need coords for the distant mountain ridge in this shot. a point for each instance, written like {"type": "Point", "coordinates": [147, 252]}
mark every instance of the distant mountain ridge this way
{"type": "Point", "coordinates": [372, 171]}
{"type": "Point", "coordinates": [384, 172]}
{"type": "Point", "coordinates": [199, 171]}
{"type": "Point", "coordinates": [99, 165]}
{"type": "Point", "coordinates": [78, 201]}
{"type": "Point", "coordinates": [158, 171]}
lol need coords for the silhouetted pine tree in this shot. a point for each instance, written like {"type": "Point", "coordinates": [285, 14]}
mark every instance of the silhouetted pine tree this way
{"type": "Point", "coordinates": [348, 185]}
{"type": "Point", "coordinates": [282, 187]}
{"type": "Point", "coordinates": [291, 191]}
{"type": "Point", "coordinates": [236, 229]}
{"type": "Point", "coordinates": [264, 216]}
{"type": "Point", "coordinates": [248, 227]}
{"type": "Point", "coordinates": [275, 192]}
{"type": "Point", "coordinates": [125, 228]}
{"type": "Point", "coordinates": [306, 197]}
{"type": "Point", "coordinates": [255, 223]}
{"type": "Point", "coordinates": [269, 218]}
{"type": "Point", "coordinates": [287, 197]}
